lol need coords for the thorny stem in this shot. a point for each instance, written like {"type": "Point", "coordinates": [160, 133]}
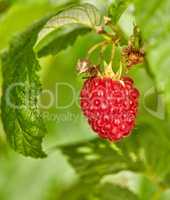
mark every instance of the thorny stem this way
{"type": "Point", "coordinates": [103, 48]}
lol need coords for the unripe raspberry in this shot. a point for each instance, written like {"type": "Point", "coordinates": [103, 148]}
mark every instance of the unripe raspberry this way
{"type": "Point", "coordinates": [110, 106]}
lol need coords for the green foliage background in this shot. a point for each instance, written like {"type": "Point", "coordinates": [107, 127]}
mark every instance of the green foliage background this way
{"type": "Point", "coordinates": [80, 166]}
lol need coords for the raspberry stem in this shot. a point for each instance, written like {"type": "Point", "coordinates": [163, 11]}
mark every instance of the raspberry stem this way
{"type": "Point", "coordinates": [96, 46]}
{"type": "Point", "coordinates": [112, 35]}
{"type": "Point", "coordinates": [120, 71]}
{"type": "Point", "coordinates": [108, 70]}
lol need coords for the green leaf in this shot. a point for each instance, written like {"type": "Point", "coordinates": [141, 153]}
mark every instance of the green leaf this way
{"type": "Point", "coordinates": [106, 191]}
{"type": "Point", "coordinates": [155, 30]}
{"type": "Point", "coordinates": [4, 5]}
{"type": "Point", "coordinates": [94, 160]}
{"type": "Point", "coordinates": [65, 27]}
{"type": "Point", "coordinates": [12, 23]}
{"type": "Point", "coordinates": [157, 133]}
{"type": "Point", "coordinates": [97, 158]}
{"type": "Point", "coordinates": [116, 9]}
{"type": "Point", "coordinates": [110, 192]}
{"type": "Point", "coordinates": [22, 122]}
{"type": "Point", "coordinates": [137, 183]}
{"type": "Point", "coordinates": [60, 39]}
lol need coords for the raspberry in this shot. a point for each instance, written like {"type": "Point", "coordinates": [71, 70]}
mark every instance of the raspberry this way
{"type": "Point", "coordinates": [110, 106]}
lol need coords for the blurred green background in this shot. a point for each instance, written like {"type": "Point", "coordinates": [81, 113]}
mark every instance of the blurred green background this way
{"type": "Point", "coordinates": [137, 167]}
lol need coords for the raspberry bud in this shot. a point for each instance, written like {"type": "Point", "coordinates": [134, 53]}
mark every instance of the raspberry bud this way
{"type": "Point", "coordinates": [110, 106]}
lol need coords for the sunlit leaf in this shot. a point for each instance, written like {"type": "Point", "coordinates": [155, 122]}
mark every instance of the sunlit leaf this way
{"type": "Point", "coordinates": [65, 27]}
{"type": "Point", "coordinates": [116, 9]}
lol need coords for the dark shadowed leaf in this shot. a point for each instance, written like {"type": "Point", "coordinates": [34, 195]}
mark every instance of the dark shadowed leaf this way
{"type": "Point", "coordinates": [22, 123]}
{"type": "Point", "coordinates": [107, 191]}
{"type": "Point", "coordinates": [97, 158]}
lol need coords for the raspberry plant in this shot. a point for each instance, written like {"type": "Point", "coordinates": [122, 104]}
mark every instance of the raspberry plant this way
{"type": "Point", "coordinates": [144, 156]}
{"type": "Point", "coordinates": [25, 134]}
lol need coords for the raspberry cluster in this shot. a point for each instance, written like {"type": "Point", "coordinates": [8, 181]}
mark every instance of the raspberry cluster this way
{"type": "Point", "coordinates": [110, 106]}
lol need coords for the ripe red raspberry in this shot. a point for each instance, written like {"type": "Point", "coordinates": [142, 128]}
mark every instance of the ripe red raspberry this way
{"type": "Point", "coordinates": [110, 106]}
